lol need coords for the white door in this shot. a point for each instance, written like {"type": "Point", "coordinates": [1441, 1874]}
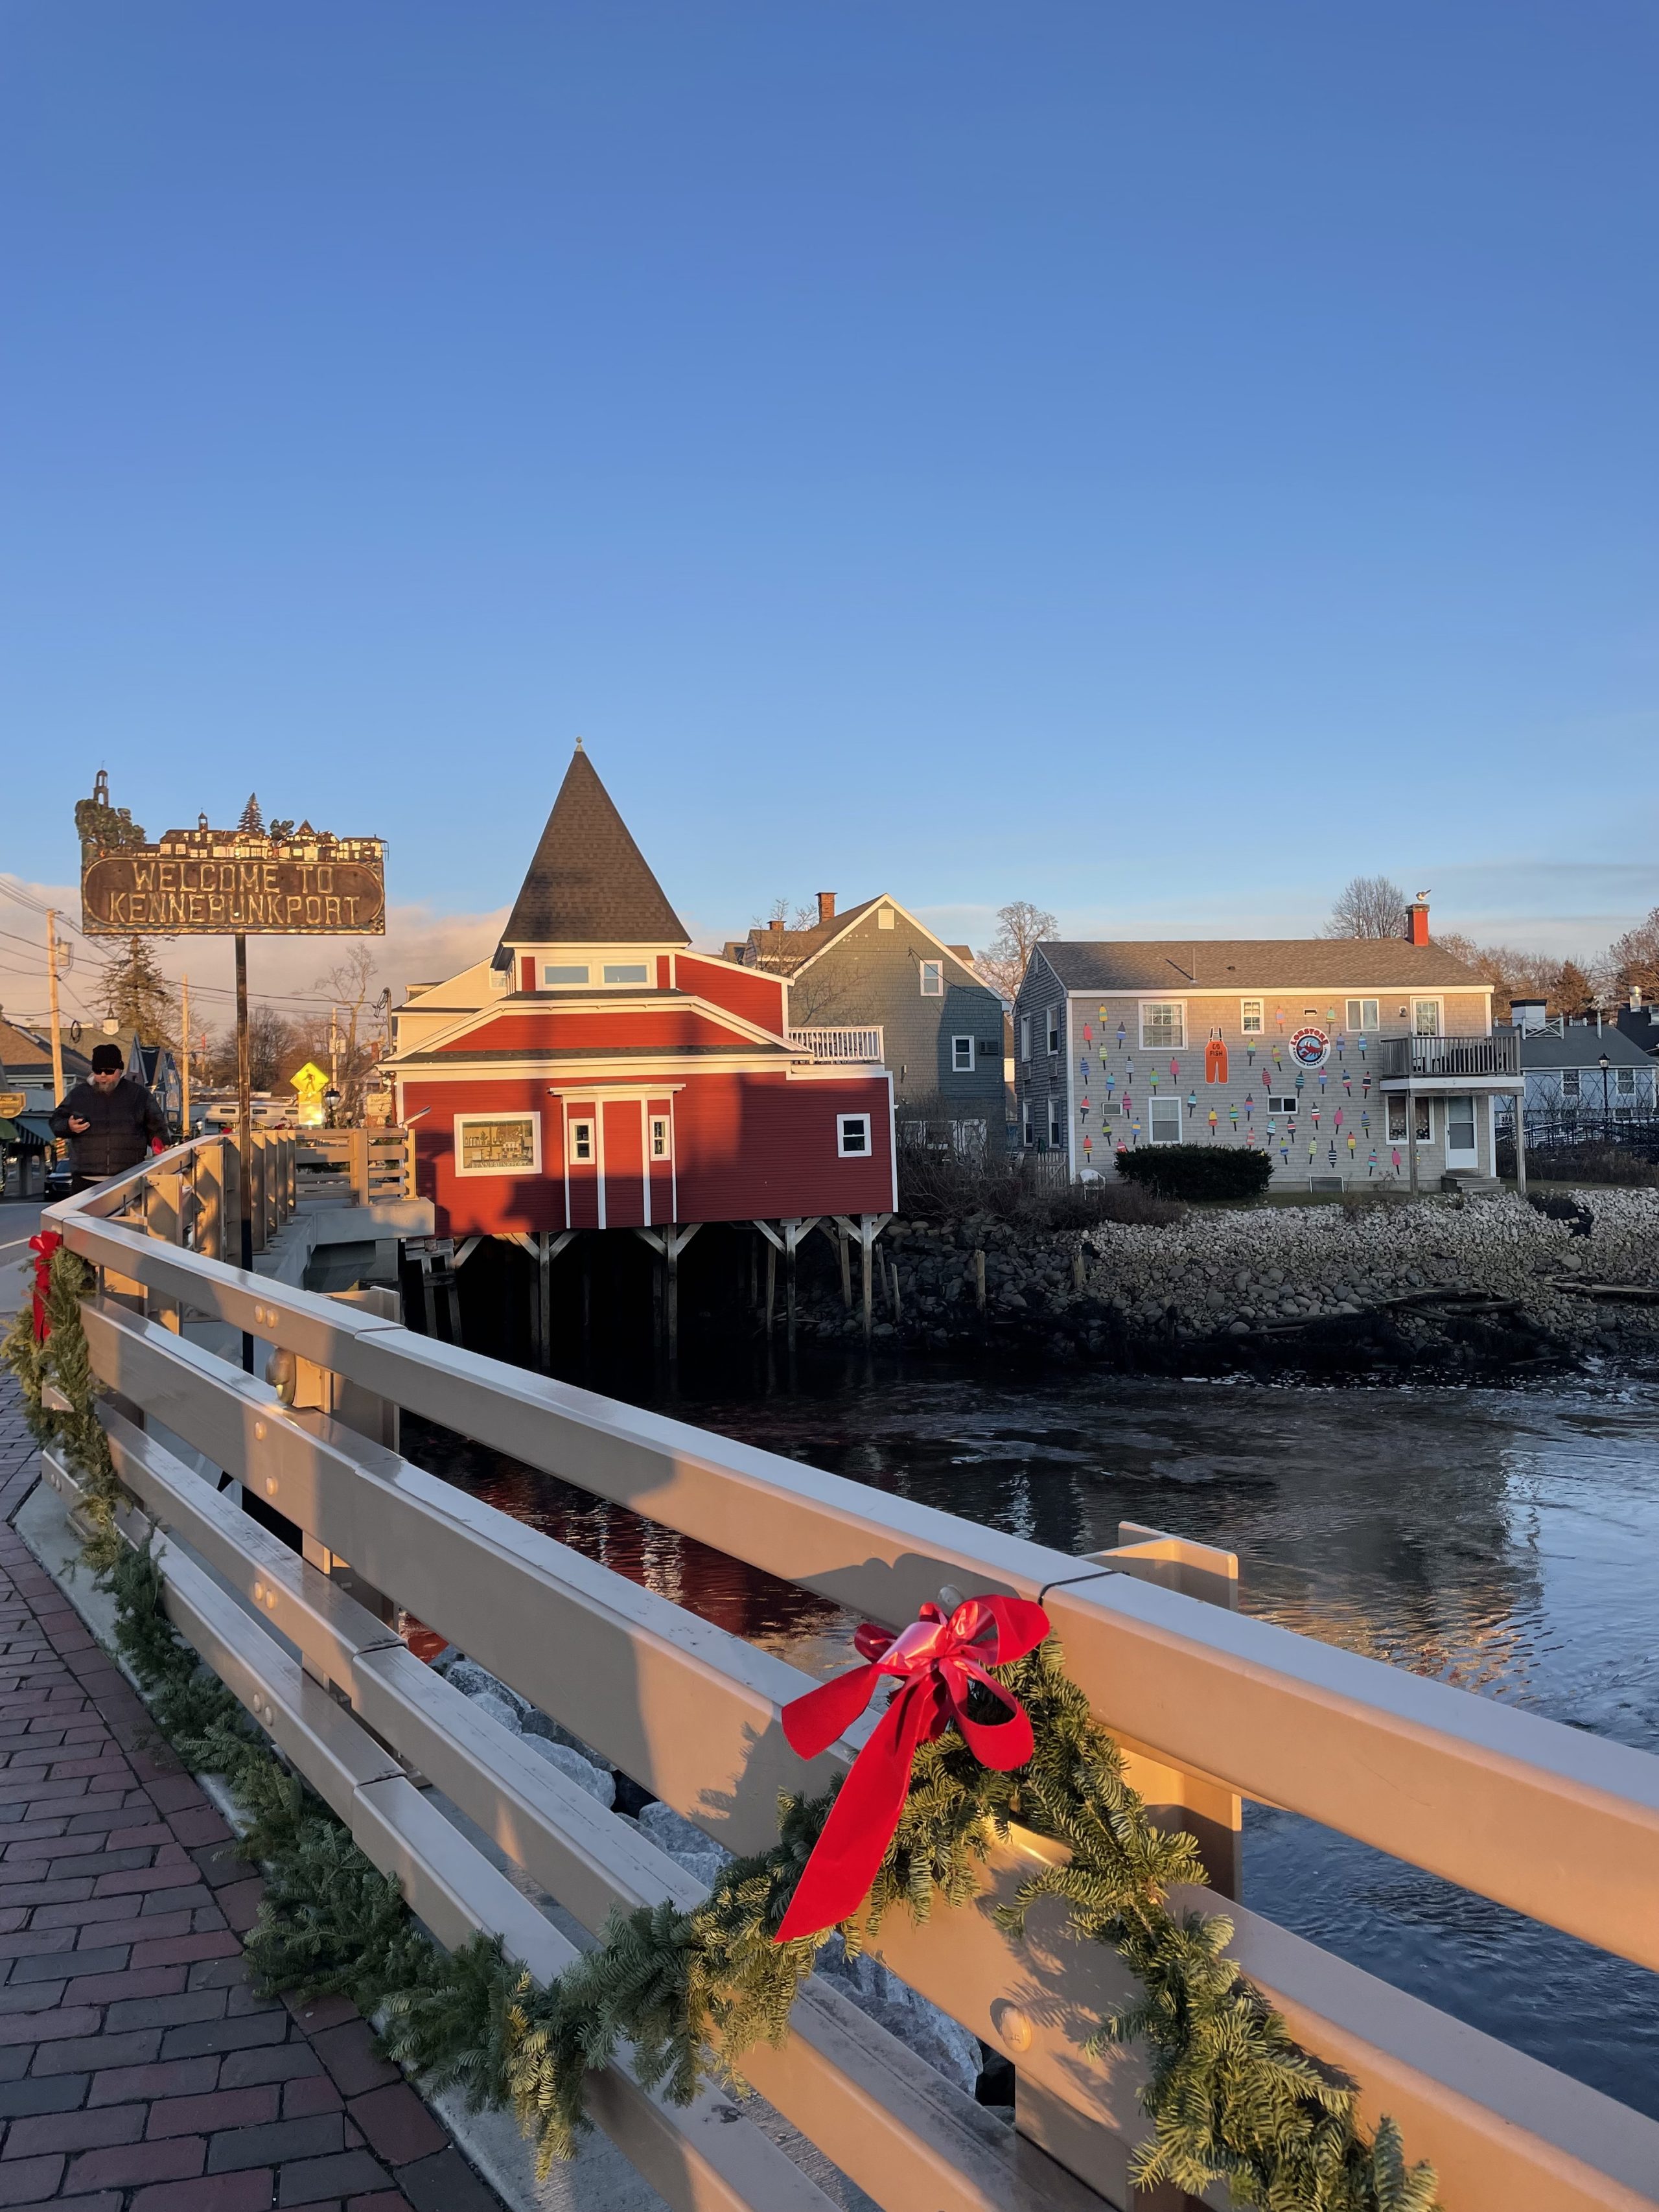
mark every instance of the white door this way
{"type": "Point", "coordinates": [1461, 1150]}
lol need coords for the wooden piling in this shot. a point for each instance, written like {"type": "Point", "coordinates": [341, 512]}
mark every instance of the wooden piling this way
{"type": "Point", "coordinates": [979, 1280]}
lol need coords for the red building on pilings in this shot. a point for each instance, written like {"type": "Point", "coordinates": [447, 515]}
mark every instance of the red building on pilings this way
{"type": "Point", "coordinates": [598, 1075]}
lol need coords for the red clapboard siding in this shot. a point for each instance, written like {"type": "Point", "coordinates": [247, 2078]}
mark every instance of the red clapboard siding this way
{"type": "Point", "coordinates": [756, 996]}
{"type": "Point", "coordinates": [469, 1205]}
{"type": "Point", "coordinates": [624, 1164]}
{"type": "Point", "coordinates": [652, 1028]}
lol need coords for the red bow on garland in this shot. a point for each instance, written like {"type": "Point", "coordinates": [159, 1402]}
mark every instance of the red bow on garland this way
{"type": "Point", "coordinates": [935, 1661]}
{"type": "Point", "coordinates": [43, 1245]}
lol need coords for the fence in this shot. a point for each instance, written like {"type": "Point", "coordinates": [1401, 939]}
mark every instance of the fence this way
{"type": "Point", "coordinates": [1558, 1129]}
{"type": "Point", "coordinates": [840, 1044]}
{"type": "Point", "coordinates": [1449, 1059]}
{"type": "Point", "coordinates": [1208, 1703]}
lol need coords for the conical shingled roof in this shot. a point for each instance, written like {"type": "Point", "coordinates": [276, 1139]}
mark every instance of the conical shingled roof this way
{"type": "Point", "coordinates": [589, 882]}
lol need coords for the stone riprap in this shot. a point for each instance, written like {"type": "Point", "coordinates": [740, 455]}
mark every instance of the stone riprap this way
{"type": "Point", "coordinates": [1266, 1281]}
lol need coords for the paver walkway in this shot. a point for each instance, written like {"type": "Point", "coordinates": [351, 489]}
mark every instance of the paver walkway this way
{"type": "Point", "coordinates": [138, 2071]}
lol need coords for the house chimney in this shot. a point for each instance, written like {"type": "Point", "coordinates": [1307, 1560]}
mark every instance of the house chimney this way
{"type": "Point", "coordinates": [1636, 997]}
{"type": "Point", "coordinates": [1417, 919]}
{"type": "Point", "coordinates": [826, 906]}
{"type": "Point", "coordinates": [1526, 1015]}
{"type": "Point", "coordinates": [776, 923]}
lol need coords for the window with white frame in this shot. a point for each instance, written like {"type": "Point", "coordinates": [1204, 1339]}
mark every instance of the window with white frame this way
{"type": "Point", "coordinates": [1250, 1016]}
{"type": "Point", "coordinates": [1056, 1120]}
{"type": "Point", "coordinates": [1025, 1036]}
{"type": "Point", "coordinates": [556, 977]}
{"type": "Point", "coordinates": [1282, 1105]}
{"type": "Point", "coordinates": [852, 1136]}
{"type": "Point", "coordinates": [1163, 1025]}
{"type": "Point", "coordinates": [1397, 1120]}
{"type": "Point", "coordinates": [1025, 1134]}
{"type": "Point", "coordinates": [1164, 1121]}
{"type": "Point", "coordinates": [962, 1055]}
{"type": "Point", "coordinates": [1425, 1017]}
{"type": "Point", "coordinates": [498, 1144]}
{"type": "Point", "coordinates": [582, 1144]}
{"type": "Point", "coordinates": [1363, 1015]}
{"type": "Point", "coordinates": [1570, 1083]}
{"type": "Point", "coordinates": [933, 979]}
{"type": "Point", "coordinates": [659, 1137]}
{"type": "Point", "coordinates": [627, 971]}
{"type": "Point", "coordinates": [1624, 1080]}
{"type": "Point", "coordinates": [1053, 1028]}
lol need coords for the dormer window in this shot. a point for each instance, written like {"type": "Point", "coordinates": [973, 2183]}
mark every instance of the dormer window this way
{"type": "Point", "coordinates": [627, 971]}
{"type": "Point", "coordinates": [558, 977]}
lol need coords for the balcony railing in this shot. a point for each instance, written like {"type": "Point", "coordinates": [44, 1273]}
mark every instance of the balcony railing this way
{"type": "Point", "coordinates": [840, 1044]}
{"type": "Point", "coordinates": [1209, 1702]}
{"type": "Point", "coordinates": [1450, 1059]}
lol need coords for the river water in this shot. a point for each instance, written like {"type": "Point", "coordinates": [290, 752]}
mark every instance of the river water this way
{"type": "Point", "coordinates": [1502, 1540]}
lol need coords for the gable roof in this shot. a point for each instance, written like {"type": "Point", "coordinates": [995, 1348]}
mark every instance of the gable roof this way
{"type": "Point", "coordinates": [1218, 965]}
{"type": "Point", "coordinates": [589, 882]}
{"type": "Point", "coordinates": [25, 1052]}
{"type": "Point", "coordinates": [783, 951]}
{"type": "Point", "coordinates": [1580, 1044]}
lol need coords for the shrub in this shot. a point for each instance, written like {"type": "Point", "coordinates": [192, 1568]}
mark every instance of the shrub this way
{"type": "Point", "coordinates": [937, 1184]}
{"type": "Point", "coordinates": [1198, 1171]}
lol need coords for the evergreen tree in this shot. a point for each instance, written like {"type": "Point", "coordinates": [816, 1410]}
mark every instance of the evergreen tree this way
{"type": "Point", "coordinates": [252, 823]}
{"type": "Point", "coordinates": [136, 995]}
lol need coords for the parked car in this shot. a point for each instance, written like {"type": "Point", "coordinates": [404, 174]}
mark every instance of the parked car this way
{"type": "Point", "coordinates": [60, 1179]}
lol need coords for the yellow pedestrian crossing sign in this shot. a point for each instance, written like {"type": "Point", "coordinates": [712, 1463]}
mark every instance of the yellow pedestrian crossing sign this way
{"type": "Point", "coordinates": [309, 1081]}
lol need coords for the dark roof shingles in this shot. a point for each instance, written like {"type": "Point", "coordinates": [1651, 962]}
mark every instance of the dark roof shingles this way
{"type": "Point", "coordinates": [1271, 963]}
{"type": "Point", "coordinates": [589, 884]}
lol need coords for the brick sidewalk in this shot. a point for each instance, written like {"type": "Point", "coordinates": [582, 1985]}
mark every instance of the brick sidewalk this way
{"type": "Point", "coordinates": [138, 2072]}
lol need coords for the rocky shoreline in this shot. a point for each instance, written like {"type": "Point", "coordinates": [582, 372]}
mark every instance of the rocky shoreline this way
{"type": "Point", "coordinates": [1454, 1284]}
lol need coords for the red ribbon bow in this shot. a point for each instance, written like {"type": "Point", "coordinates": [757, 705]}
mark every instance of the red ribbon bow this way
{"type": "Point", "coordinates": [43, 1244]}
{"type": "Point", "coordinates": [935, 1661]}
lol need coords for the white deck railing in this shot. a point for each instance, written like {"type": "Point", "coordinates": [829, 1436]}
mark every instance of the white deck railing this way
{"type": "Point", "coordinates": [840, 1044]}
{"type": "Point", "coordinates": [1541, 1817]}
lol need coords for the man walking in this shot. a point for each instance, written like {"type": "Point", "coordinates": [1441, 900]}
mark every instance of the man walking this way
{"type": "Point", "coordinates": [111, 1122]}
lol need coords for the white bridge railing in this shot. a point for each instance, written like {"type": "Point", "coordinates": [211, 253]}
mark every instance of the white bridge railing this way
{"type": "Point", "coordinates": [840, 1044]}
{"type": "Point", "coordinates": [1554, 1822]}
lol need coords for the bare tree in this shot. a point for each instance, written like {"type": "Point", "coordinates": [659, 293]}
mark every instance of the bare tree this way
{"type": "Point", "coordinates": [351, 983]}
{"type": "Point", "coordinates": [1003, 963]}
{"type": "Point", "coordinates": [1634, 960]}
{"type": "Point", "coordinates": [1368, 906]}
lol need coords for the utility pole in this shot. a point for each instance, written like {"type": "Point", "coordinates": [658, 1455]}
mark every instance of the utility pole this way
{"type": "Point", "coordinates": [183, 1073]}
{"type": "Point", "coordinates": [52, 1001]}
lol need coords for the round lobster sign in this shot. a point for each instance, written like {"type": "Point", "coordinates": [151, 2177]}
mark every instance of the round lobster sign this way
{"type": "Point", "coordinates": [1310, 1048]}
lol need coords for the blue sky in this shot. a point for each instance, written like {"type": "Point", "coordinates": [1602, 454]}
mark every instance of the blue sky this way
{"type": "Point", "coordinates": [1155, 462]}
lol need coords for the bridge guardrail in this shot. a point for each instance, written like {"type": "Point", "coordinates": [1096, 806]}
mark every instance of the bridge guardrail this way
{"type": "Point", "coordinates": [1499, 1800]}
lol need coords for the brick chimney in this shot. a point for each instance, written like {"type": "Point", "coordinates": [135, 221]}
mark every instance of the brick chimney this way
{"type": "Point", "coordinates": [1417, 919]}
{"type": "Point", "coordinates": [775, 925]}
{"type": "Point", "coordinates": [826, 906]}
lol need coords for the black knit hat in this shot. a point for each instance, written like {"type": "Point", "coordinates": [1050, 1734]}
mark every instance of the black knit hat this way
{"type": "Point", "coordinates": [107, 1060]}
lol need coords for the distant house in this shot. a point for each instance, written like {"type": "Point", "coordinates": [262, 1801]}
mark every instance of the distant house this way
{"type": "Point", "coordinates": [26, 1138]}
{"type": "Point", "coordinates": [1640, 1023]}
{"type": "Point", "coordinates": [875, 982]}
{"type": "Point", "coordinates": [1589, 1073]}
{"type": "Point", "coordinates": [1346, 1060]}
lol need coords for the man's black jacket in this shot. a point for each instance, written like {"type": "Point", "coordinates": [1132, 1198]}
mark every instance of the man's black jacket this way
{"type": "Point", "coordinates": [122, 1121]}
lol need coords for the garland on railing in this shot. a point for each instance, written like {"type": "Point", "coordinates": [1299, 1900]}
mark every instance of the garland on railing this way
{"type": "Point", "coordinates": [1231, 2097]}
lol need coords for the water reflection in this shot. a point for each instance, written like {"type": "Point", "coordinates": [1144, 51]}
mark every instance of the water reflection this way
{"type": "Point", "coordinates": [1502, 1541]}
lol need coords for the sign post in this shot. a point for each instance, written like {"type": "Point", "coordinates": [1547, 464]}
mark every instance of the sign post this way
{"type": "Point", "coordinates": [280, 882]}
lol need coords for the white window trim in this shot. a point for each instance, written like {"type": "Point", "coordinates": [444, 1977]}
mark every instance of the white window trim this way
{"type": "Point", "coordinates": [1162, 1044]}
{"type": "Point", "coordinates": [1154, 1116]}
{"type": "Point", "coordinates": [544, 968]}
{"type": "Point", "coordinates": [959, 1066]}
{"type": "Point", "coordinates": [1426, 1110]}
{"type": "Point", "coordinates": [1359, 1028]}
{"type": "Point", "coordinates": [937, 969]}
{"type": "Point", "coordinates": [1439, 1029]}
{"type": "Point", "coordinates": [864, 1151]}
{"type": "Point", "coordinates": [1027, 1123]}
{"type": "Point", "coordinates": [666, 1123]}
{"type": "Point", "coordinates": [528, 1114]}
{"type": "Point", "coordinates": [1244, 1028]}
{"type": "Point", "coordinates": [1025, 1037]}
{"type": "Point", "coordinates": [624, 983]}
{"type": "Point", "coordinates": [1056, 1027]}
{"type": "Point", "coordinates": [1057, 1119]}
{"type": "Point", "coordinates": [573, 1122]}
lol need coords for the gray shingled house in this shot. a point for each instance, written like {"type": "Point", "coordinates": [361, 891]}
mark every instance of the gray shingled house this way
{"type": "Point", "coordinates": [1345, 1060]}
{"type": "Point", "coordinates": [874, 983]}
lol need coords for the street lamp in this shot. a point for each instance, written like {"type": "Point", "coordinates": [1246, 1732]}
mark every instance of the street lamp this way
{"type": "Point", "coordinates": [331, 1100]}
{"type": "Point", "coordinates": [1607, 1111]}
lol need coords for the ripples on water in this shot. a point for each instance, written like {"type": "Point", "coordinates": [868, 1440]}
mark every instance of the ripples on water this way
{"type": "Point", "coordinates": [1502, 1541]}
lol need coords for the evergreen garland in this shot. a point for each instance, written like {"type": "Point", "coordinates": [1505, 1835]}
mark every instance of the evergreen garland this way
{"type": "Point", "coordinates": [1231, 2097]}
